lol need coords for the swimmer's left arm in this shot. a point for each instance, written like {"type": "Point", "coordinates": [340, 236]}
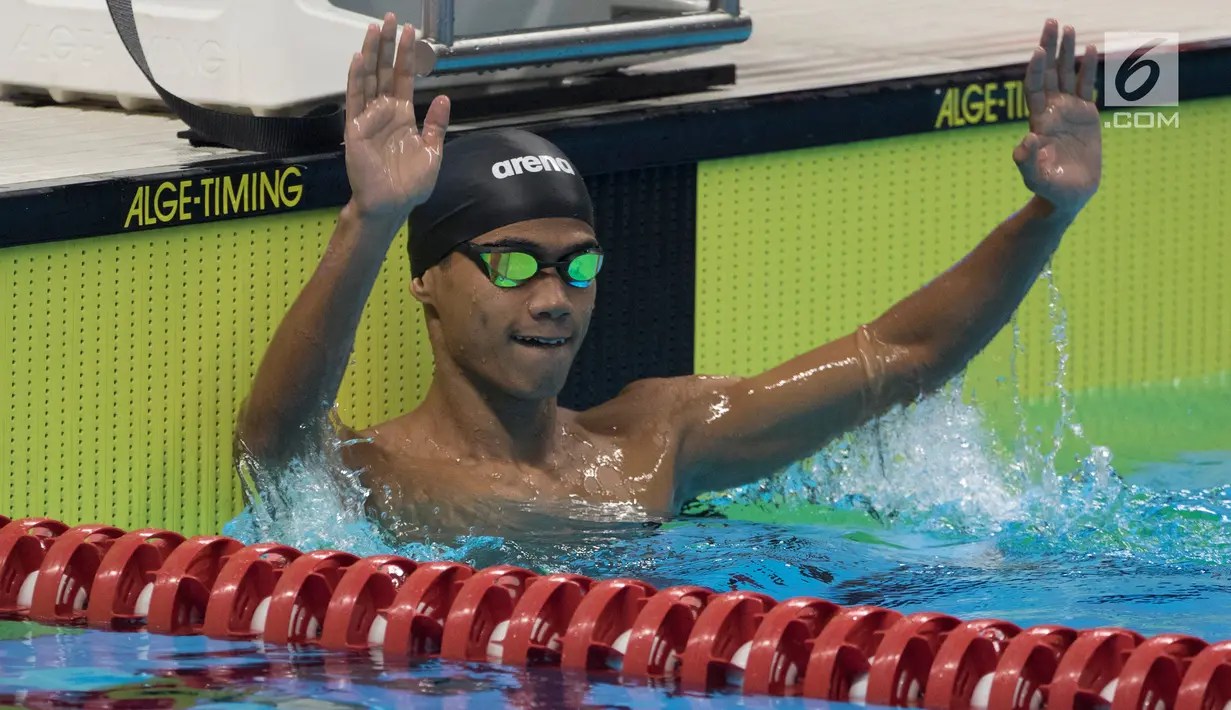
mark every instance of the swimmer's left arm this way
{"type": "Point", "coordinates": [736, 433]}
{"type": "Point", "coordinates": [739, 432]}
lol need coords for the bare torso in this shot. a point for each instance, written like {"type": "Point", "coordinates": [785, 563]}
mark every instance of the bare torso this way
{"type": "Point", "coordinates": [621, 453]}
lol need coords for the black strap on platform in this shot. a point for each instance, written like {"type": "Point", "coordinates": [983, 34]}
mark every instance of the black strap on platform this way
{"type": "Point", "coordinates": [320, 130]}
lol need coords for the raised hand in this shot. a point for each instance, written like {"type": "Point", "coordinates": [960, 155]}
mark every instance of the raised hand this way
{"type": "Point", "coordinates": [392, 165]}
{"type": "Point", "coordinates": [1061, 157]}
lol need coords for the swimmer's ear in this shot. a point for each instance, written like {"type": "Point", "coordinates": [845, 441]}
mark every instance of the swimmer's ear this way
{"type": "Point", "coordinates": [421, 289]}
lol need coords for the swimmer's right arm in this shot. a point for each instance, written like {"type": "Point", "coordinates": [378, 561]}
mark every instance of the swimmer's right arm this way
{"type": "Point", "coordinates": [392, 167]}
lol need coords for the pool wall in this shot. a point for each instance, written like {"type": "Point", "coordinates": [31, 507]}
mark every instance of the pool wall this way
{"type": "Point", "coordinates": [136, 308]}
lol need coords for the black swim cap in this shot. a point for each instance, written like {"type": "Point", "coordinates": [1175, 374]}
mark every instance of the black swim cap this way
{"type": "Point", "coordinates": [492, 179]}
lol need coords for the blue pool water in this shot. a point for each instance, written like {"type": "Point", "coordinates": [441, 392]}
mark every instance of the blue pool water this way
{"type": "Point", "coordinates": [923, 510]}
{"type": "Point", "coordinates": [98, 669]}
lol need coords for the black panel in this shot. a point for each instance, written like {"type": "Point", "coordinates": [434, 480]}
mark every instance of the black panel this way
{"type": "Point", "coordinates": [645, 309]}
{"type": "Point", "coordinates": [206, 191]}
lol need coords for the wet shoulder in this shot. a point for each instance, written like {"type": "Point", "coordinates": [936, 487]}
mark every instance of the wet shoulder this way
{"type": "Point", "coordinates": [387, 450]}
{"type": "Point", "coordinates": [654, 403]}
{"type": "Point", "coordinates": [407, 484]}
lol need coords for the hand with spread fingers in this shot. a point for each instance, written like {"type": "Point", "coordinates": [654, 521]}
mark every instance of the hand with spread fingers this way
{"type": "Point", "coordinates": [392, 165]}
{"type": "Point", "coordinates": [1061, 157]}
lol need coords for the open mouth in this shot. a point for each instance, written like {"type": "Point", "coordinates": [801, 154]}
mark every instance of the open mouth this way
{"type": "Point", "coordinates": [537, 342]}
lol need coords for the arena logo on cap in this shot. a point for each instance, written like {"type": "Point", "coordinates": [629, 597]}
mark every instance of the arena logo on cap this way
{"type": "Point", "coordinates": [531, 164]}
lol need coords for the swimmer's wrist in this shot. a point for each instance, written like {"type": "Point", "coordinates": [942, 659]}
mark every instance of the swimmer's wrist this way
{"type": "Point", "coordinates": [1040, 208]}
{"type": "Point", "coordinates": [371, 221]}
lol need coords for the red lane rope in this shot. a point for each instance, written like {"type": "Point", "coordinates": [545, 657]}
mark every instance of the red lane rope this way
{"type": "Point", "coordinates": [109, 579]}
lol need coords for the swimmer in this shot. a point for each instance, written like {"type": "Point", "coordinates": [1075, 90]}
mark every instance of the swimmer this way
{"type": "Point", "coordinates": [505, 263]}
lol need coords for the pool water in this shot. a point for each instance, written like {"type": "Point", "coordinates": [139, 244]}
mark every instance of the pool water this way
{"type": "Point", "coordinates": [922, 510]}
{"type": "Point", "coordinates": [99, 669]}
{"type": "Point", "coordinates": [1086, 554]}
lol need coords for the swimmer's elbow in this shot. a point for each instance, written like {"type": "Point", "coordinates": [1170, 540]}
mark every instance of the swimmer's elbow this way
{"type": "Point", "coordinates": [898, 373]}
{"type": "Point", "coordinates": [267, 439]}
{"type": "Point", "coordinates": [255, 439]}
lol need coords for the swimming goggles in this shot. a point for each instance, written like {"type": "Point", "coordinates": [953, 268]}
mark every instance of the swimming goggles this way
{"type": "Point", "coordinates": [508, 268]}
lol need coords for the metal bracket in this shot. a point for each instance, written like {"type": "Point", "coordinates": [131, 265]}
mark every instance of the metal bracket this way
{"type": "Point", "coordinates": [439, 52]}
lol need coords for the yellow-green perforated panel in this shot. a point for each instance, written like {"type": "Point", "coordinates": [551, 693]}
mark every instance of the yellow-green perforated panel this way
{"type": "Point", "coordinates": [126, 359]}
{"type": "Point", "coordinates": [801, 247]}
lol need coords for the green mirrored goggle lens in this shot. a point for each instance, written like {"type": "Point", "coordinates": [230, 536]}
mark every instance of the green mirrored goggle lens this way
{"type": "Point", "coordinates": [585, 267]}
{"type": "Point", "coordinates": [512, 268]}
{"type": "Point", "coordinates": [508, 268]}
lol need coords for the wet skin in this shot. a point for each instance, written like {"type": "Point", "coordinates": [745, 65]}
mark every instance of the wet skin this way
{"type": "Point", "coordinates": [490, 430]}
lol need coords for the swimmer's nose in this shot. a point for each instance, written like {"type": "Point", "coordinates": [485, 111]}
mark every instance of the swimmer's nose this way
{"type": "Point", "coordinates": [549, 297]}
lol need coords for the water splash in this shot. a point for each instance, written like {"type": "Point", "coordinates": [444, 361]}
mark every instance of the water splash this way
{"type": "Point", "coordinates": [1027, 454]}
{"type": "Point", "coordinates": [317, 502]}
{"type": "Point", "coordinates": [934, 468]}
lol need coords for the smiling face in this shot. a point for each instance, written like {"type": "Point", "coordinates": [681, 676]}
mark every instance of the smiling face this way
{"type": "Point", "coordinates": [519, 339]}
